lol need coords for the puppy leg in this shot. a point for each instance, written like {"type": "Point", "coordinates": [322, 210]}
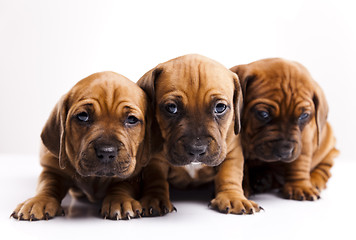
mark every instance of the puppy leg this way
{"type": "Point", "coordinates": [51, 189]}
{"type": "Point", "coordinates": [298, 185]}
{"type": "Point", "coordinates": [323, 159]}
{"type": "Point", "coordinates": [155, 199]}
{"type": "Point", "coordinates": [228, 185]}
{"type": "Point", "coordinates": [120, 203]}
{"type": "Point", "coordinates": [321, 173]}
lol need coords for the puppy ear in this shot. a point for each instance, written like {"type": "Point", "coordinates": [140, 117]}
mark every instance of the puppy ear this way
{"type": "Point", "coordinates": [53, 133]}
{"type": "Point", "coordinates": [148, 82]}
{"type": "Point", "coordinates": [144, 150]}
{"type": "Point", "coordinates": [321, 110]}
{"type": "Point", "coordinates": [238, 103]}
{"type": "Point", "coordinates": [244, 77]}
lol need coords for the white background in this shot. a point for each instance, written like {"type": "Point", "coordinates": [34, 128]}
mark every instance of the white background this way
{"type": "Point", "coordinates": [47, 46]}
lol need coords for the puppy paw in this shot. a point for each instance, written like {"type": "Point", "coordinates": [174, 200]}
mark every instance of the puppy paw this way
{"type": "Point", "coordinates": [318, 181]}
{"type": "Point", "coordinates": [228, 202]}
{"type": "Point", "coordinates": [117, 208]}
{"type": "Point", "coordinates": [300, 190]}
{"type": "Point", "coordinates": [38, 208]}
{"type": "Point", "coordinates": [156, 206]}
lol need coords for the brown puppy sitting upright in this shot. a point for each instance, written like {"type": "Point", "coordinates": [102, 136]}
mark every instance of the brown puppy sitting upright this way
{"type": "Point", "coordinates": [92, 142]}
{"type": "Point", "coordinates": [196, 103]}
{"type": "Point", "coordinates": [285, 130]}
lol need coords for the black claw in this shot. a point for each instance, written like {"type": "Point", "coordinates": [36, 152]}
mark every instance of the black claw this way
{"type": "Point", "coordinates": [243, 211]}
{"type": "Point", "coordinates": [165, 210]}
{"type": "Point", "coordinates": [227, 210]}
{"type": "Point", "coordinates": [261, 208]}
{"type": "Point", "coordinates": [12, 215]}
{"type": "Point", "coordinates": [20, 217]}
{"type": "Point", "coordinates": [32, 217]}
{"type": "Point", "coordinates": [301, 198]}
{"type": "Point", "coordinates": [143, 212]}
{"type": "Point", "coordinates": [175, 209]}
{"type": "Point", "coordinates": [128, 216]}
{"type": "Point", "coordinates": [47, 216]}
{"type": "Point", "coordinates": [318, 196]}
{"type": "Point", "coordinates": [138, 214]}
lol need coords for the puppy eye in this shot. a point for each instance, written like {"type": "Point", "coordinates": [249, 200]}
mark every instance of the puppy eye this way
{"type": "Point", "coordinates": [263, 115]}
{"type": "Point", "coordinates": [303, 116]}
{"type": "Point", "coordinates": [172, 108]}
{"type": "Point", "coordinates": [220, 108]}
{"type": "Point", "coordinates": [131, 120]}
{"type": "Point", "coordinates": [83, 117]}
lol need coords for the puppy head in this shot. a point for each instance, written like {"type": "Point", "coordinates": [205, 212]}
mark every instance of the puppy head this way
{"type": "Point", "coordinates": [197, 104]}
{"type": "Point", "coordinates": [280, 100]}
{"type": "Point", "coordinates": [99, 127]}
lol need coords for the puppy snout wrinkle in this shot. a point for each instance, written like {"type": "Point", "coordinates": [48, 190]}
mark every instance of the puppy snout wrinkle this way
{"type": "Point", "coordinates": [106, 153]}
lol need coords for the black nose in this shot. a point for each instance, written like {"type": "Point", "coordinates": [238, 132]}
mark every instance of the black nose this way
{"type": "Point", "coordinates": [283, 149]}
{"type": "Point", "coordinates": [106, 153]}
{"type": "Point", "coordinates": [196, 150]}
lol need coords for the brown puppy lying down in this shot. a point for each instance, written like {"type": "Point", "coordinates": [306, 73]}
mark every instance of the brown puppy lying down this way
{"type": "Point", "coordinates": [196, 102]}
{"type": "Point", "coordinates": [93, 145]}
{"type": "Point", "coordinates": [286, 138]}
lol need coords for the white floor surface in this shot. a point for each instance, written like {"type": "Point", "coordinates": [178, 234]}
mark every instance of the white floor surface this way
{"type": "Point", "coordinates": [331, 217]}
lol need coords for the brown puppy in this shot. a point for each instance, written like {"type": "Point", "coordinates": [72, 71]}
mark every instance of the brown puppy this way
{"type": "Point", "coordinates": [92, 142]}
{"type": "Point", "coordinates": [285, 127]}
{"type": "Point", "coordinates": [196, 102]}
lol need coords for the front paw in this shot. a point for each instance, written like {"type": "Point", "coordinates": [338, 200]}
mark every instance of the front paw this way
{"type": "Point", "coordinates": [318, 180]}
{"type": "Point", "coordinates": [38, 208]}
{"type": "Point", "coordinates": [156, 206]}
{"type": "Point", "coordinates": [300, 190]}
{"type": "Point", "coordinates": [117, 208]}
{"type": "Point", "coordinates": [230, 202]}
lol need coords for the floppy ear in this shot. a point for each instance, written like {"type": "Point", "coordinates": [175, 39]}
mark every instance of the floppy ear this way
{"type": "Point", "coordinates": [244, 79]}
{"type": "Point", "coordinates": [144, 149]}
{"type": "Point", "coordinates": [238, 103]}
{"type": "Point", "coordinates": [148, 81]}
{"type": "Point", "coordinates": [153, 134]}
{"type": "Point", "coordinates": [53, 133]}
{"type": "Point", "coordinates": [321, 110]}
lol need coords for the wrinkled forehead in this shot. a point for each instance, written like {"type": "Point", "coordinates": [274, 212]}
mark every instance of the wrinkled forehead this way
{"type": "Point", "coordinates": [194, 78]}
{"type": "Point", "coordinates": [284, 84]}
{"type": "Point", "coordinates": [110, 92]}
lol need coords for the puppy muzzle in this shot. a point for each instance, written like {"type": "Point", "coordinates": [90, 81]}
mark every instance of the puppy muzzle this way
{"type": "Point", "coordinates": [280, 150]}
{"type": "Point", "coordinates": [200, 150]}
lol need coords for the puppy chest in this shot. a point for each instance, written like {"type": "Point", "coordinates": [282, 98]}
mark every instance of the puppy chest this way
{"type": "Point", "coordinates": [193, 169]}
{"type": "Point", "coordinates": [92, 188]}
{"type": "Point", "coordinates": [191, 175]}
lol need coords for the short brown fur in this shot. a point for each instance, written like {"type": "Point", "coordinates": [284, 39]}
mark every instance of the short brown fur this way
{"type": "Point", "coordinates": [194, 85]}
{"type": "Point", "coordinates": [293, 145]}
{"type": "Point", "coordinates": [99, 159]}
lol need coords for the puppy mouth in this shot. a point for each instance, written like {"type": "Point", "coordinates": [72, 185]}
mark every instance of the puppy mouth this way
{"type": "Point", "coordinates": [196, 162]}
{"type": "Point", "coordinates": [178, 159]}
{"type": "Point", "coordinates": [113, 171]}
{"type": "Point", "coordinates": [274, 154]}
{"type": "Point", "coordinates": [104, 171]}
